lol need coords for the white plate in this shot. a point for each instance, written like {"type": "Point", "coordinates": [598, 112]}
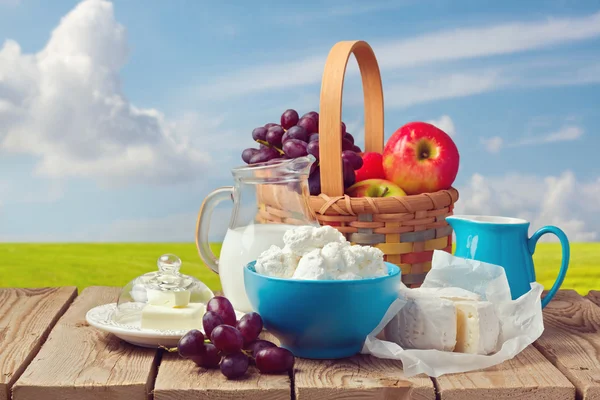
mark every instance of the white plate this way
{"type": "Point", "coordinates": [103, 318]}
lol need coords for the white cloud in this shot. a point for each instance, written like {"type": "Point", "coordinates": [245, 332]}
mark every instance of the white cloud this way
{"type": "Point", "coordinates": [432, 48]}
{"type": "Point", "coordinates": [444, 123]}
{"type": "Point", "coordinates": [565, 134]}
{"type": "Point", "coordinates": [506, 38]}
{"type": "Point", "coordinates": [443, 87]}
{"type": "Point", "coordinates": [65, 106]}
{"type": "Point", "coordinates": [493, 144]}
{"type": "Point", "coordinates": [563, 201]}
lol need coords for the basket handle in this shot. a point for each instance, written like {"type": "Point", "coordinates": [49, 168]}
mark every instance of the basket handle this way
{"type": "Point", "coordinates": [330, 114]}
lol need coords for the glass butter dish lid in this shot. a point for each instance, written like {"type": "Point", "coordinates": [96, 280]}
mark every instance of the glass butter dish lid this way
{"type": "Point", "coordinates": [163, 300]}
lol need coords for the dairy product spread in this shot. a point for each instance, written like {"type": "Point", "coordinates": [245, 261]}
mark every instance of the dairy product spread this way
{"type": "Point", "coordinates": [320, 253]}
{"type": "Point", "coordinates": [175, 298]}
{"type": "Point", "coordinates": [170, 318]}
{"type": "Point", "coordinates": [478, 327]}
{"type": "Point", "coordinates": [446, 319]}
{"type": "Point", "coordinates": [424, 323]}
{"type": "Point", "coordinates": [171, 310]}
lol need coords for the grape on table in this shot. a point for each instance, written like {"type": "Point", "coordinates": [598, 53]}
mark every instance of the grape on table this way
{"type": "Point", "coordinates": [210, 321]}
{"type": "Point", "coordinates": [274, 360]}
{"type": "Point", "coordinates": [250, 326]}
{"type": "Point", "coordinates": [234, 365]}
{"type": "Point", "coordinates": [210, 359]}
{"type": "Point", "coordinates": [227, 339]}
{"type": "Point", "coordinates": [191, 344]}
{"type": "Point", "coordinates": [233, 344]}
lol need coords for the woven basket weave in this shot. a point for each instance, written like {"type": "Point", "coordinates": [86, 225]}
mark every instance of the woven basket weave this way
{"type": "Point", "coordinates": [407, 229]}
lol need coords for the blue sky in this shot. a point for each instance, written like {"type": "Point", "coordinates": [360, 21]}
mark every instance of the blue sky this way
{"type": "Point", "coordinates": [117, 119]}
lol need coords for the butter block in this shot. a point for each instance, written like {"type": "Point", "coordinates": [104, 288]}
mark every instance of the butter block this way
{"type": "Point", "coordinates": [167, 318]}
{"type": "Point", "coordinates": [179, 298]}
{"type": "Point", "coordinates": [425, 322]}
{"type": "Point", "coordinates": [478, 327]}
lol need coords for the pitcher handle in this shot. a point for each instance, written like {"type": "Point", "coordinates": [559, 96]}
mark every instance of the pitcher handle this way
{"type": "Point", "coordinates": [564, 242]}
{"type": "Point", "coordinates": [203, 225]}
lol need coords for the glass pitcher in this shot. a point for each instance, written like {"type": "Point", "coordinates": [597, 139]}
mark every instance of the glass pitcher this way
{"type": "Point", "coordinates": [268, 199]}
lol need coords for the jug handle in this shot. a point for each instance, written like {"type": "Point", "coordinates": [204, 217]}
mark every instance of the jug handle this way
{"type": "Point", "coordinates": [564, 242]}
{"type": "Point", "coordinates": [203, 225]}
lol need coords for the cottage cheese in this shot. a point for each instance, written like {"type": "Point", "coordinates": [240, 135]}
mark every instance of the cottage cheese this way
{"type": "Point", "coordinates": [304, 239]}
{"type": "Point", "coordinates": [320, 253]}
{"type": "Point", "coordinates": [277, 262]}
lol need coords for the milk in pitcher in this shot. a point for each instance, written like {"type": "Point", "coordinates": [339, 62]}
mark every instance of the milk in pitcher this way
{"type": "Point", "coordinates": [241, 246]}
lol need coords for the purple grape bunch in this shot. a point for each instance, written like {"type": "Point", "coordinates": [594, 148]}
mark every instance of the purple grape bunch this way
{"type": "Point", "coordinates": [233, 345]}
{"type": "Point", "coordinates": [297, 136]}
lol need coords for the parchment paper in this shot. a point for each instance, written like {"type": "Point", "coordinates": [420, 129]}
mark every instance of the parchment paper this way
{"type": "Point", "coordinates": [521, 319]}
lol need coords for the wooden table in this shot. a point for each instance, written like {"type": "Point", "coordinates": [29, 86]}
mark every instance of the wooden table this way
{"type": "Point", "coordinates": [47, 351]}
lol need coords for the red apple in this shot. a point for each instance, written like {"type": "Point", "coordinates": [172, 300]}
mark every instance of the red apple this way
{"type": "Point", "coordinates": [372, 167]}
{"type": "Point", "coordinates": [374, 188]}
{"type": "Point", "coordinates": [420, 158]}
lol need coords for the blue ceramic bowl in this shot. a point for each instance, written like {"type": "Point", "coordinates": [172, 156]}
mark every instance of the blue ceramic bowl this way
{"type": "Point", "coordinates": [321, 319]}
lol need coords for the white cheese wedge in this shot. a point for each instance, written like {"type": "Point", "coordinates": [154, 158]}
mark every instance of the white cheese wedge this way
{"type": "Point", "coordinates": [449, 293]}
{"type": "Point", "coordinates": [425, 322]}
{"type": "Point", "coordinates": [167, 318]}
{"type": "Point", "coordinates": [179, 298]}
{"type": "Point", "coordinates": [478, 327]}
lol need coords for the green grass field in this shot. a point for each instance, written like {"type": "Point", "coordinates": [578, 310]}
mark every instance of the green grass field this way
{"type": "Point", "coordinates": [82, 265]}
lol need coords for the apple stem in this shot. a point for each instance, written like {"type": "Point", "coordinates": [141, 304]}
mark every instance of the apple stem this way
{"type": "Point", "coordinates": [385, 190]}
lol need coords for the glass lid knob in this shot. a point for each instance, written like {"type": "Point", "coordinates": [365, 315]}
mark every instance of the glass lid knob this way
{"type": "Point", "coordinates": [169, 263]}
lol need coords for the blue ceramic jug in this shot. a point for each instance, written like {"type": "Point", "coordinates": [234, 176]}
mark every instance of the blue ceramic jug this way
{"type": "Point", "coordinates": [505, 242]}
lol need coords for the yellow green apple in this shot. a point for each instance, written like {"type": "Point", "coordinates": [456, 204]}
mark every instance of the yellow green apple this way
{"type": "Point", "coordinates": [375, 188]}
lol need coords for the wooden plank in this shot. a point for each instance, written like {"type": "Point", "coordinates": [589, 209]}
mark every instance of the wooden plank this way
{"type": "Point", "coordinates": [528, 375]}
{"type": "Point", "coordinates": [81, 362]}
{"type": "Point", "coordinates": [358, 377]}
{"type": "Point", "coordinates": [594, 297]}
{"type": "Point", "coordinates": [180, 379]}
{"type": "Point", "coordinates": [571, 341]}
{"type": "Point", "coordinates": [26, 318]}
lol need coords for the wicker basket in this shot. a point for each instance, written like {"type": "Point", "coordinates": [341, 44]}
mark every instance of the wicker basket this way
{"type": "Point", "coordinates": [407, 229]}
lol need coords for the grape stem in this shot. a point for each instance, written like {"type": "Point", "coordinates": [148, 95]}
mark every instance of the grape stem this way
{"type": "Point", "coordinates": [248, 353]}
{"type": "Point", "coordinates": [169, 349]}
{"type": "Point", "coordinates": [268, 145]}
